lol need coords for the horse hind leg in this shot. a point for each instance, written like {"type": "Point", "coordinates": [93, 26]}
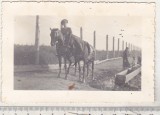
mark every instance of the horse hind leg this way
{"type": "Point", "coordinates": [87, 69]}
{"type": "Point", "coordinates": [65, 66]}
{"type": "Point", "coordinates": [79, 67]}
{"type": "Point", "coordinates": [84, 63]}
{"type": "Point", "coordinates": [75, 69]}
{"type": "Point", "coordinates": [60, 62]}
{"type": "Point", "coordinates": [92, 70]}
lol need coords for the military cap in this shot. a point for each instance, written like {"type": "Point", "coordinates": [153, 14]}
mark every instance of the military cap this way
{"type": "Point", "coordinates": [64, 21]}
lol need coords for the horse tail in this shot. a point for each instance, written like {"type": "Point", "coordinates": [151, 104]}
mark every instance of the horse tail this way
{"type": "Point", "coordinates": [88, 46]}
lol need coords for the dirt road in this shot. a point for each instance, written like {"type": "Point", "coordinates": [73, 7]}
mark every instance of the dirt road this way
{"type": "Point", "coordinates": [47, 79]}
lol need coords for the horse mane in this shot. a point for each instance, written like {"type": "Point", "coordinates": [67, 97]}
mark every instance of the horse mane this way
{"type": "Point", "coordinates": [55, 29]}
{"type": "Point", "coordinates": [59, 31]}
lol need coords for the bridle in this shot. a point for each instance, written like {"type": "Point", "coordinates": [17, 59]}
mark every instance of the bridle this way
{"type": "Point", "coordinates": [58, 36]}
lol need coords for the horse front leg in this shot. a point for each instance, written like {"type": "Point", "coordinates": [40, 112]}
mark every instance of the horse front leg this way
{"type": "Point", "coordinates": [75, 69]}
{"type": "Point", "coordinates": [65, 66]}
{"type": "Point", "coordinates": [79, 67]}
{"type": "Point", "coordinates": [84, 63]}
{"type": "Point", "coordinates": [60, 62]}
{"type": "Point", "coordinates": [87, 69]}
{"type": "Point", "coordinates": [92, 70]}
{"type": "Point", "coordinates": [70, 62]}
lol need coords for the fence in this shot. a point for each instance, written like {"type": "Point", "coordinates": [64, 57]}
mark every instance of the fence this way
{"type": "Point", "coordinates": [113, 53]}
{"type": "Point", "coordinates": [118, 45]}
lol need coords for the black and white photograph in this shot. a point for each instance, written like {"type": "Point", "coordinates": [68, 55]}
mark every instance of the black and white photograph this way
{"type": "Point", "coordinates": [65, 53]}
{"type": "Point", "coordinates": [73, 51]}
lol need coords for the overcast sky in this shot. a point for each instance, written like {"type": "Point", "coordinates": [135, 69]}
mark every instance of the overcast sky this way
{"type": "Point", "coordinates": [103, 25]}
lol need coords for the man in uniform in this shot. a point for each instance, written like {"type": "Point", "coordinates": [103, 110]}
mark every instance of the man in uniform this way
{"type": "Point", "coordinates": [67, 34]}
{"type": "Point", "coordinates": [66, 31]}
{"type": "Point", "coordinates": [125, 58]}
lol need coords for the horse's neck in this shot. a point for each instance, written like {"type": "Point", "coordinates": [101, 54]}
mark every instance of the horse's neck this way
{"type": "Point", "coordinates": [60, 40]}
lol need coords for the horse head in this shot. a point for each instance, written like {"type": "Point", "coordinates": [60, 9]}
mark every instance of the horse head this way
{"type": "Point", "coordinates": [55, 36]}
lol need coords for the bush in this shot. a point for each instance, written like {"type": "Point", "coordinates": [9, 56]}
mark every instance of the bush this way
{"type": "Point", "coordinates": [25, 55]}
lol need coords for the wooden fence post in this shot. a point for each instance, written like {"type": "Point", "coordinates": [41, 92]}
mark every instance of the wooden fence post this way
{"type": "Point", "coordinates": [131, 49]}
{"type": "Point", "coordinates": [122, 45]}
{"type": "Point", "coordinates": [81, 33]}
{"type": "Point", "coordinates": [135, 51]}
{"type": "Point", "coordinates": [113, 47]}
{"type": "Point", "coordinates": [37, 32]}
{"type": "Point", "coordinates": [118, 48]}
{"type": "Point", "coordinates": [126, 45]}
{"type": "Point", "coordinates": [94, 39]}
{"type": "Point", "coordinates": [107, 46]}
{"type": "Point", "coordinates": [94, 42]}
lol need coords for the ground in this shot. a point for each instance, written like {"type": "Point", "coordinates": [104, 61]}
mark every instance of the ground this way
{"type": "Point", "coordinates": [47, 79]}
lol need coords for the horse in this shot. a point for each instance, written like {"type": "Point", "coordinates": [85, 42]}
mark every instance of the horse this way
{"type": "Point", "coordinates": [82, 52]}
{"type": "Point", "coordinates": [62, 51]}
{"type": "Point", "coordinates": [72, 50]}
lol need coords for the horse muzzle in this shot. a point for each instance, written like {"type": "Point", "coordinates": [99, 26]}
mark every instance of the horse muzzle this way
{"type": "Point", "coordinates": [54, 43]}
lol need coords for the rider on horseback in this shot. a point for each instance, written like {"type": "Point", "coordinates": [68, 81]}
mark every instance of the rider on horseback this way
{"type": "Point", "coordinates": [66, 31]}
{"type": "Point", "coordinates": [67, 34]}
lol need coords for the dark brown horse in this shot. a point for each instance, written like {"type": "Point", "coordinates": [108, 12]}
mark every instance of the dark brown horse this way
{"type": "Point", "coordinates": [77, 48]}
{"type": "Point", "coordinates": [62, 51]}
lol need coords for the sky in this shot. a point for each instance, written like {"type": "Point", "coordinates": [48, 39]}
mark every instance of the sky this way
{"type": "Point", "coordinates": [103, 25]}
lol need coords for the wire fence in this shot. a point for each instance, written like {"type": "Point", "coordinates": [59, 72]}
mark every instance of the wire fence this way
{"type": "Point", "coordinates": [114, 47]}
